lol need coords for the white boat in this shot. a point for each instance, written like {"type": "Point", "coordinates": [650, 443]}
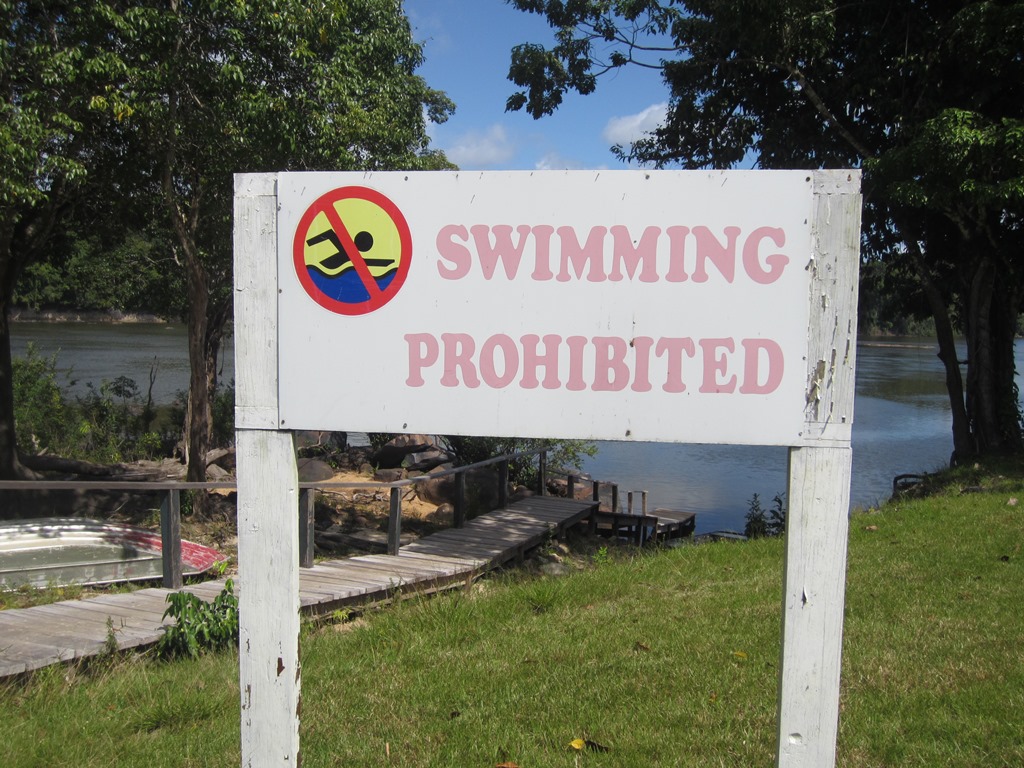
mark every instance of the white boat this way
{"type": "Point", "coordinates": [59, 551]}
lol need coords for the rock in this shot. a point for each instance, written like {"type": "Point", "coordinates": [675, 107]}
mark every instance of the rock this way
{"type": "Point", "coordinates": [557, 486]}
{"type": "Point", "coordinates": [438, 490]}
{"type": "Point", "coordinates": [521, 492]}
{"type": "Point", "coordinates": [389, 475]}
{"type": "Point", "coordinates": [221, 456]}
{"type": "Point", "coordinates": [314, 470]}
{"type": "Point", "coordinates": [582, 487]}
{"type": "Point", "coordinates": [393, 453]}
{"type": "Point", "coordinates": [215, 473]}
{"type": "Point", "coordinates": [424, 461]}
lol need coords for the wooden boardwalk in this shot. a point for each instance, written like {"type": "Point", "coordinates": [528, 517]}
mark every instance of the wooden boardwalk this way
{"type": "Point", "coordinates": [31, 638]}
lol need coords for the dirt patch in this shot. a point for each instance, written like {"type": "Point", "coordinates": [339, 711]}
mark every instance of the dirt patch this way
{"type": "Point", "coordinates": [343, 511]}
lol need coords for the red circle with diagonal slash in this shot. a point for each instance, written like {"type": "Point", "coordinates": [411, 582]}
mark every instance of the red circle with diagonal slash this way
{"type": "Point", "coordinates": [378, 296]}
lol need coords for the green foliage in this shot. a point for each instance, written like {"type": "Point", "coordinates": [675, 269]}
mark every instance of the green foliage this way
{"type": "Point", "coordinates": [926, 97]}
{"type": "Point", "coordinates": [42, 56]}
{"type": "Point", "coordinates": [224, 415]}
{"type": "Point", "coordinates": [111, 428]}
{"type": "Point", "coordinates": [562, 454]}
{"type": "Point", "coordinates": [110, 645]}
{"type": "Point", "coordinates": [766, 522]}
{"type": "Point", "coordinates": [200, 626]}
{"type": "Point", "coordinates": [127, 272]}
{"type": "Point", "coordinates": [222, 408]}
{"type": "Point", "coordinates": [157, 106]}
{"type": "Point", "coordinates": [110, 423]}
{"type": "Point", "coordinates": [42, 418]}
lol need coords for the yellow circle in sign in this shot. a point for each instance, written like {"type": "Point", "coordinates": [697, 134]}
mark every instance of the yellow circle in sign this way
{"type": "Point", "coordinates": [370, 228]}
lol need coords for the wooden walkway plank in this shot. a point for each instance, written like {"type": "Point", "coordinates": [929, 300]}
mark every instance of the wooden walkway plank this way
{"type": "Point", "coordinates": [485, 536]}
{"type": "Point", "coordinates": [31, 638]}
{"type": "Point", "coordinates": [20, 656]}
{"type": "Point", "coordinates": [417, 567]}
{"type": "Point", "coordinates": [460, 563]}
{"type": "Point", "coordinates": [147, 606]}
{"type": "Point", "coordinates": [146, 628]}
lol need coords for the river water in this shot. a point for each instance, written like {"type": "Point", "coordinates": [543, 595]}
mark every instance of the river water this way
{"type": "Point", "coordinates": [901, 419]}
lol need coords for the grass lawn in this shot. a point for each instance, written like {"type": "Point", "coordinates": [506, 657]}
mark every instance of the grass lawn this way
{"type": "Point", "coordinates": [665, 658]}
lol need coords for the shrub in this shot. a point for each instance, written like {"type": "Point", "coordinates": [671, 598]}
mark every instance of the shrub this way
{"type": "Point", "coordinates": [108, 423]}
{"type": "Point", "coordinates": [200, 626]}
{"type": "Point", "coordinates": [762, 522]}
{"type": "Point", "coordinates": [41, 415]}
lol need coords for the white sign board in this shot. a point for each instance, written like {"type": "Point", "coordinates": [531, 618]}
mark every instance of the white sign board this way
{"type": "Point", "coordinates": [627, 305]}
{"type": "Point", "coordinates": [692, 307]}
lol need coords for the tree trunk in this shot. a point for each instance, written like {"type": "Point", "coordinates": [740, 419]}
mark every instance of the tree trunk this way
{"type": "Point", "coordinates": [1004, 335]}
{"type": "Point", "coordinates": [991, 388]}
{"type": "Point", "coordinates": [10, 466]}
{"type": "Point", "coordinates": [23, 235]}
{"type": "Point", "coordinates": [964, 446]}
{"type": "Point", "coordinates": [199, 416]}
{"type": "Point", "coordinates": [980, 375]}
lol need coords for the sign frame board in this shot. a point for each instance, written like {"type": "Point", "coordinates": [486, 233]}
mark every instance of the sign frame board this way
{"type": "Point", "coordinates": [288, 224]}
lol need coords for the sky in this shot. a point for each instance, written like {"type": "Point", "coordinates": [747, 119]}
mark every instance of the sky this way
{"type": "Point", "coordinates": [467, 45]}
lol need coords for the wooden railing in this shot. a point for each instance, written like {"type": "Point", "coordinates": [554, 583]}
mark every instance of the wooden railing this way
{"type": "Point", "coordinates": [395, 511]}
{"type": "Point", "coordinates": [170, 508]}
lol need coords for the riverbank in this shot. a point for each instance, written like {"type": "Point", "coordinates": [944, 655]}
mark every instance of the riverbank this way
{"type": "Point", "coordinates": [901, 418]}
{"type": "Point", "coordinates": [665, 659]}
{"type": "Point", "coordinates": [112, 316]}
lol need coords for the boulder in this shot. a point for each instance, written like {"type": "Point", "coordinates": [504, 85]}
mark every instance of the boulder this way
{"type": "Point", "coordinates": [389, 475]}
{"type": "Point", "coordinates": [216, 473]}
{"type": "Point", "coordinates": [424, 461]}
{"type": "Point", "coordinates": [393, 452]}
{"type": "Point", "coordinates": [437, 490]}
{"type": "Point", "coordinates": [321, 442]}
{"type": "Point", "coordinates": [314, 470]}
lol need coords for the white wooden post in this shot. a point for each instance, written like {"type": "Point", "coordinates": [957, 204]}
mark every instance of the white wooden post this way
{"type": "Point", "coordinates": [817, 520]}
{"type": "Point", "coordinates": [268, 488]}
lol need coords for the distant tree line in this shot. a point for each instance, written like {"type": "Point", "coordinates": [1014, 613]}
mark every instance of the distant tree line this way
{"type": "Point", "coordinates": [122, 124]}
{"type": "Point", "coordinates": [927, 97]}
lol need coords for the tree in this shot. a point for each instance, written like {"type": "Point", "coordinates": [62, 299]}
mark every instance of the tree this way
{"type": "Point", "coordinates": [927, 97]}
{"type": "Point", "coordinates": [198, 91]}
{"type": "Point", "coordinates": [51, 64]}
{"type": "Point", "coordinates": [225, 87]}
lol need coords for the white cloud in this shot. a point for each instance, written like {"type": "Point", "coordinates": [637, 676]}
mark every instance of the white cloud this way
{"type": "Point", "coordinates": [628, 128]}
{"type": "Point", "coordinates": [553, 161]}
{"type": "Point", "coordinates": [481, 149]}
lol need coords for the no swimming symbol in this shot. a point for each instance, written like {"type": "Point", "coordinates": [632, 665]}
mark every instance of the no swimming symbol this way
{"type": "Point", "coordinates": [352, 250]}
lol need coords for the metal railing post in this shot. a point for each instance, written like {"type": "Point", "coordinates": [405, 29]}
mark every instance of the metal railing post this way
{"type": "Point", "coordinates": [542, 473]}
{"type": "Point", "coordinates": [307, 499]}
{"type": "Point", "coordinates": [170, 538]}
{"type": "Point", "coordinates": [395, 522]}
{"type": "Point", "coordinates": [570, 489]}
{"type": "Point", "coordinates": [503, 484]}
{"type": "Point", "coordinates": [592, 522]}
{"type": "Point", "coordinates": [459, 514]}
{"type": "Point", "coordinates": [615, 498]}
